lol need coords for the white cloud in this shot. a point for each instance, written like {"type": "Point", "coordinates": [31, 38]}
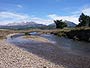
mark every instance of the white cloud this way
{"type": "Point", "coordinates": [41, 21]}
{"type": "Point", "coordinates": [19, 6]}
{"type": "Point", "coordinates": [71, 18]}
{"type": "Point", "coordinates": [9, 17]}
{"type": "Point", "coordinates": [86, 11]}
{"type": "Point", "coordinates": [74, 17]}
{"type": "Point", "coordinates": [12, 15]}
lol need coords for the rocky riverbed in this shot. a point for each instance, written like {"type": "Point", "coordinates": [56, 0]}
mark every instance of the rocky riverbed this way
{"type": "Point", "coordinates": [12, 56]}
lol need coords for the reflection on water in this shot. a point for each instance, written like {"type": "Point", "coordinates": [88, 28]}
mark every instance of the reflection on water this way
{"type": "Point", "coordinates": [66, 44]}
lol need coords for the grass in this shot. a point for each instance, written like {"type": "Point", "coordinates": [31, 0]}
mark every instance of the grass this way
{"type": "Point", "coordinates": [58, 32]}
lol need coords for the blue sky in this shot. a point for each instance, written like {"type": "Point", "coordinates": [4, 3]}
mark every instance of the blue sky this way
{"type": "Point", "coordinates": [42, 11]}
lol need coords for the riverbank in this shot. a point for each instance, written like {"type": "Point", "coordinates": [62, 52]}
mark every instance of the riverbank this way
{"type": "Point", "coordinates": [12, 56]}
{"type": "Point", "coordinates": [80, 34]}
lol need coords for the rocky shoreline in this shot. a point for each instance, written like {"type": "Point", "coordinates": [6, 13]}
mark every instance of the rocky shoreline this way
{"type": "Point", "coordinates": [14, 57]}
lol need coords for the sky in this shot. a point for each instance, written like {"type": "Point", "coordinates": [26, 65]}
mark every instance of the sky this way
{"type": "Point", "coordinates": [42, 11]}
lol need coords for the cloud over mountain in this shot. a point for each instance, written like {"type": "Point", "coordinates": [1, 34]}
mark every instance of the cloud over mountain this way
{"type": "Point", "coordinates": [10, 17]}
{"type": "Point", "coordinates": [71, 18]}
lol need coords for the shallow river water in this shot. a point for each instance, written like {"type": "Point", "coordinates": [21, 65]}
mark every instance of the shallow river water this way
{"type": "Point", "coordinates": [59, 50]}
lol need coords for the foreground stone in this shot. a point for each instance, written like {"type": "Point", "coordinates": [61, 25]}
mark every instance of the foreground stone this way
{"type": "Point", "coordinates": [13, 57]}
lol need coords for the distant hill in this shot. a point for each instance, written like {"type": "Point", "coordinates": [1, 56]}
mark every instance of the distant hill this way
{"type": "Point", "coordinates": [30, 24]}
{"type": "Point", "coordinates": [23, 25]}
{"type": "Point", "coordinates": [52, 26]}
{"type": "Point", "coordinates": [33, 25]}
{"type": "Point", "coordinates": [70, 24]}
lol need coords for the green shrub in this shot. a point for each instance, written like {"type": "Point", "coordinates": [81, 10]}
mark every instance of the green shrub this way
{"type": "Point", "coordinates": [27, 33]}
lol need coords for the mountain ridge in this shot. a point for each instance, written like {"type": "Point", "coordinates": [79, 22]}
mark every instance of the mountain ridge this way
{"type": "Point", "coordinates": [27, 25]}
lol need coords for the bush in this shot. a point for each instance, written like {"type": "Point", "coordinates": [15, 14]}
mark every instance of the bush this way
{"type": "Point", "coordinates": [27, 33]}
{"type": "Point", "coordinates": [60, 24]}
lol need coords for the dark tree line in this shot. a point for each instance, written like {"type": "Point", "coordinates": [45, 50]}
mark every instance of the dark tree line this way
{"type": "Point", "coordinates": [84, 20]}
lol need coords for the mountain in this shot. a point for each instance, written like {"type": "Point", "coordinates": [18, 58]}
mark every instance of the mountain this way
{"type": "Point", "coordinates": [51, 26]}
{"type": "Point", "coordinates": [23, 25]}
{"type": "Point", "coordinates": [33, 25]}
{"type": "Point", "coordinates": [70, 24]}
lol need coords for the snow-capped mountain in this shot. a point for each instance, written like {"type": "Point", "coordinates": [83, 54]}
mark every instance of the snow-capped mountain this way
{"type": "Point", "coordinates": [23, 25]}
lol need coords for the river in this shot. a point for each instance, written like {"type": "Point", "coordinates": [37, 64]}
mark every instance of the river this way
{"type": "Point", "coordinates": [59, 50]}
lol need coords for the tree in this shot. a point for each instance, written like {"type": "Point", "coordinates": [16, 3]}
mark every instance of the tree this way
{"type": "Point", "coordinates": [84, 20]}
{"type": "Point", "coordinates": [60, 24]}
{"type": "Point", "coordinates": [88, 21]}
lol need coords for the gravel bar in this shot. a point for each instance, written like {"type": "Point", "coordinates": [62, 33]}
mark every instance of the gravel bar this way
{"type": "Point", "coordinates": [12, 56]}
